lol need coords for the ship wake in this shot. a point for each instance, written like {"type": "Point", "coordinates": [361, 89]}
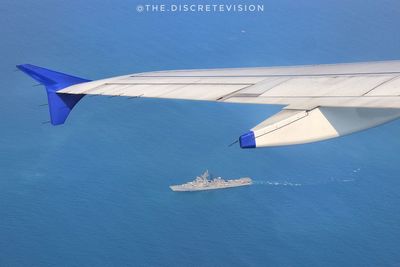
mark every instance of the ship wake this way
{"type": "Point", "coordinates": [275, 183]}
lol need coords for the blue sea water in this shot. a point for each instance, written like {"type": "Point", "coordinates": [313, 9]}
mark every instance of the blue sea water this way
{"type": "Point", "coordinates": [94, 192]}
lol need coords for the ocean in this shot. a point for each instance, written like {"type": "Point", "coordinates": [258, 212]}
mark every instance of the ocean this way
{"type": "Point", "coordinates": [94, 192]}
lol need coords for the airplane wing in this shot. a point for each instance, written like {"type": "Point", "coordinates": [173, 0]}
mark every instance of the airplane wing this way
{"type": "Point", "coordinates": [321, 101]}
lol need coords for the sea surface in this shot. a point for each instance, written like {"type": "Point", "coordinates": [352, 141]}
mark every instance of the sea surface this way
{"type": "Point", "coordinates": [94, 192]}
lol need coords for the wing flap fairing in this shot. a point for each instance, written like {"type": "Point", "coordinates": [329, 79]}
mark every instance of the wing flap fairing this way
{"type": "Point", "coordinates": [290, 127]}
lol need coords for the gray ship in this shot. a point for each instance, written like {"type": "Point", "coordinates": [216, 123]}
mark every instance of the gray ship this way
{"type": "Point", "coordinates": [203, 182]}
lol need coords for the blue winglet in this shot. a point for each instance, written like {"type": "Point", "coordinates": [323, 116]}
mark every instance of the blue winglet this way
{"type": "Point", "coordinates": [60, 105]}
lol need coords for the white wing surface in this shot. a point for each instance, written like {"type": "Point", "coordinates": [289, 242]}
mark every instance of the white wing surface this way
{"type": "Point", "coordinates": [321, 101]}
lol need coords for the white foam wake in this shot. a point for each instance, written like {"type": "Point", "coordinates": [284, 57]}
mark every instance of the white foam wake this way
{"type": "Point", "coordinates": [274, 183]}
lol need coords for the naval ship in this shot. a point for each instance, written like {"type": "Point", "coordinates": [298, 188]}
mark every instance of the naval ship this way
{"type": "Point", "coordinates": [203, 182]}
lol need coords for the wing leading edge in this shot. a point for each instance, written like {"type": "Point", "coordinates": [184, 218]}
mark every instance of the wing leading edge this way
{"type": "Point", "coordinates": [321, 101]}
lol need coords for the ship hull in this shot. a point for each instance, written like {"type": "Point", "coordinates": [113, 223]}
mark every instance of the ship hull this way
{"type": "Point", "coordinates": [179, 188]}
